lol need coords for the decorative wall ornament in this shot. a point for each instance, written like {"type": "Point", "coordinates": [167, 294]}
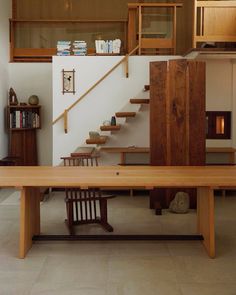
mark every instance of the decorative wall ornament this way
{"type": "Point", "coordinates": [68, 81]}
{"type": "Point", "coordinates": [12, 100]}
{"type": "Point", "coordinates": [33, 100]}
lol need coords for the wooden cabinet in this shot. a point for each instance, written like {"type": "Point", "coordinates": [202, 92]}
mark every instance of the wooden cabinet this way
{"type": "Point", "coordinates": [22, 123]}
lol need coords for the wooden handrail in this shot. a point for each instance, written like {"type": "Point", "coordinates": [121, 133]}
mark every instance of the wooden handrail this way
{"type": "Point", "coordinates": [95, 85]}
{"type": "Point", "coordinates": [133, 5]}
{"type": "Point", "coordinates": [22, 20]}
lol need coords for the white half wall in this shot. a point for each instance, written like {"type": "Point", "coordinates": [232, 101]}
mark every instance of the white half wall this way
{"type": "Point", "coordinates": [36, 78]}
{"type": "Point", "coordinates": [5, 13]}
{"type": "Point", "coordinates": [109, 97]}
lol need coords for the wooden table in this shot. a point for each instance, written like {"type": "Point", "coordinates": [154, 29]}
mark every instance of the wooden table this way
{"type": "Point", "coordinates": [30, 179]}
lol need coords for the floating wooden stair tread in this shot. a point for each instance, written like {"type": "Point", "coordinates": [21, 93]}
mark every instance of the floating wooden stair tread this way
{"type": "Point", "coordinates": [139, 100]}
{"type": "Point", "coordinates": [125, 114]}
{"type": "Point", "coordinates": [110, 128]}
{"type": "Point", "coordinates": [98, 140]}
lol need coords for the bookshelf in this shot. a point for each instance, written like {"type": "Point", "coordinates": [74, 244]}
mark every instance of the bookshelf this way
{"type": "Point", "coordinates": [22, 122]}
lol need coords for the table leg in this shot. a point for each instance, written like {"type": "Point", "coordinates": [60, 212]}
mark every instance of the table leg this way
{"type": "Point", "coordinates": [205, 218]}
{"type": "Point", "coordinates": [29, 218]}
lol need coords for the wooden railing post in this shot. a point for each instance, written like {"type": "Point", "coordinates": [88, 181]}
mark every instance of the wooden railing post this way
{"type": "Point", "coordinates": [194, 24]}
{"type": "Point", "coordinates": [127, 66]}
{"type": "Point", "coordinates": [139, 29]}
{"type": "Point", "coordinates": [66, 121]}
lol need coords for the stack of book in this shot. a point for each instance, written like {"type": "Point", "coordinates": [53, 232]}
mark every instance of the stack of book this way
{"type": "Point", "coordinates": [108, 46]}
{"type": "Point", "coordinates": [24, 119]}
{"type": "Point", "coordinates": [63, 48]}
{"type": "Point", "coordinates": [79, 48]}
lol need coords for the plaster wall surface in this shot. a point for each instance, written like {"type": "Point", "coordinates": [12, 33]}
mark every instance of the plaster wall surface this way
{"type": "Point", "coordinates": [36, 78]}
{"type": "Point", "coordinates": [5, 13]}
{"type": "Point", "coordinates": [220, 81]}
{"type": "Point", "coordinates": [110, 96]}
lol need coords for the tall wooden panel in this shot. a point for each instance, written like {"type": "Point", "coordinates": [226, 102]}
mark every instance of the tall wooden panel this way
{"type": "Point", "coordinates": [177, 119]}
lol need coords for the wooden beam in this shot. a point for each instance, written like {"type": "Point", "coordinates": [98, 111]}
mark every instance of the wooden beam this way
{"type": "Point", "coordinates": [68, 21]}
{"type": "Point", "coordinates": [216, 38]}
{"type": "Point", "coordinates": [131, 5]}
{"type": "Point", "coordinates": [228, 4]}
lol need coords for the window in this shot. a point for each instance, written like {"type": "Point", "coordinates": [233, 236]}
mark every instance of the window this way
{"type": "Point", "coordinates": [218, 125]}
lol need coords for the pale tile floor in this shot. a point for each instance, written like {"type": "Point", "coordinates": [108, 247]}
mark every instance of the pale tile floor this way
{"type": "Point", "coordinates": [118, 268]}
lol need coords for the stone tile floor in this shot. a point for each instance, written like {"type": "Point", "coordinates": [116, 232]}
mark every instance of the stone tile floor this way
{"type": "Point", "coordinates": [118, 268]}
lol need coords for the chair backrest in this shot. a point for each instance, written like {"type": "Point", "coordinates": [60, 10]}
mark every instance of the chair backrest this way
{"type": "Point", "coordinates": [80, 161]}
{"type": "Point", "coordinates": [85, 203]}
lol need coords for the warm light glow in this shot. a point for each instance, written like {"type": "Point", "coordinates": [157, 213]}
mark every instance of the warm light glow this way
{"type": "Point", "coordinates": [220, 125]}
{"type": "Point", "coordinates": [67, 4]}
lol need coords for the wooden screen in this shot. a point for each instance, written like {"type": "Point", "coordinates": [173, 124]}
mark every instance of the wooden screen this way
{"type": "Point", "coordinates": [177, 117]}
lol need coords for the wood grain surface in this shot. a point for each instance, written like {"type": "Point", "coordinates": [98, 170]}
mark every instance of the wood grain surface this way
{"type": "Point", "coordinates": [119, 176]}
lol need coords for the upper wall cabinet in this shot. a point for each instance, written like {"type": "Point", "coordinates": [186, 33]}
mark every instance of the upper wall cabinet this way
{"type": "Point", "coordinates": [214, 24]}
{"type": "Point", "coordinates": [37, 25]}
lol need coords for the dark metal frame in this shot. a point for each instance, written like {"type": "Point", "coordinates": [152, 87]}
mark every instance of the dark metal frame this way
{"type": "Point", "coordinates": [118, 238]}
{"type": "Point", "coordinates": [211, 125]}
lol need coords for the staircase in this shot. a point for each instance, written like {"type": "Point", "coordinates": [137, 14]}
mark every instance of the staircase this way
{"type": "Point", "coordinates": [101, 140]}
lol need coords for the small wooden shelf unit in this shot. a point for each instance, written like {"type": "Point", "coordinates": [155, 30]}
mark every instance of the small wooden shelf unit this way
{"type": "Point", "coordinates": [22, 123]}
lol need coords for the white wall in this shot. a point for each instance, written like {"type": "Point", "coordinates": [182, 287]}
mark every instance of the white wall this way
{"type": "Point", "coordinates": [26, 79]}
{"type": "Point", "coordinates": [36, 78]}
{"type": "Point", "coordinates": [111, 96]}
{"type": "Point", "coordinates": [219, 94]}
{"type": "Point", "coordinates": [5, 8]}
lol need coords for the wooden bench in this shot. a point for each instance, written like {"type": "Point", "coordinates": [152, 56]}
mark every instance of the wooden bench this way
{"type": "Point", "coordinates": [223, 150]}
{"type": "Point", "coordinates": [123, 151]}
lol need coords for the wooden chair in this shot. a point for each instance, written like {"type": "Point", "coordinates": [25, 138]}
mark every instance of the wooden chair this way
{"type": "Point", "coordinates": [86, 206]}
{"type": "Point", "coordinates": [80, 161]}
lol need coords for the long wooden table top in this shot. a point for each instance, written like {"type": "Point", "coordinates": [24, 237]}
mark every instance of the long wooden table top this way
{"type": "Point", "coordinates": [118, 176]}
